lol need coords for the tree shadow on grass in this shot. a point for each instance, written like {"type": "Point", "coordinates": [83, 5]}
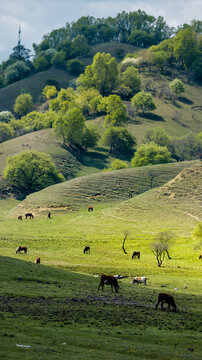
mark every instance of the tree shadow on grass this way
{"type": "Point", "coordinates": [151, 116]}
{"type": "Point", "coordinates": [184, 100]}
{"type": "Point", "coordinates": [94, 159]}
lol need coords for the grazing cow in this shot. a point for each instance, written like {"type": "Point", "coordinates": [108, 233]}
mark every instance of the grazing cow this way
{"type": "Point", "coordinates": [86, 249]}
{"type": "Point", "coordinates": [49, 215]}
{"type": "Point", "coordinates": [90, 208]}
{"type": "Point", "coordinates": [20, 217]}
{"type": "Point", "coordinates": [130, 196]}
{"type": "Point", "coordinates": [139, 280]}
{"type": "Point", "coordinates": [200, 256]}
{"type": "Point", "coordinates": [21, 248]}
{"type": "Point", "coordinates": [136, 253]}
{"type": "Point", "coordinates": [109, 280]}
{"type": "Point", "coordinates": [37, 260]}
{"type": "Point", "coordinates": [30, 215]}
{"type": "Point", "coordinates": [168, 299]}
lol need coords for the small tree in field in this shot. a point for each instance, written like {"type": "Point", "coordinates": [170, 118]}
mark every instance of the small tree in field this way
{"type": "Point", "coordinates": [165, 237]}
{"type": "Point", "coordinates": [143, 101]}
{"type": "Point", "coordinates": [177, 87]}
{"type": "Point", "coordinates": [149, 154]}
{"type": "Point", "coordinates": [159, 250]}
{"type": "Point", "coordinates": [31, 171]}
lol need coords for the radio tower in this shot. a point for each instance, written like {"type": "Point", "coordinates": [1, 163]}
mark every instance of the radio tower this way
{"type": "Point", "coordinates": [19, 35]}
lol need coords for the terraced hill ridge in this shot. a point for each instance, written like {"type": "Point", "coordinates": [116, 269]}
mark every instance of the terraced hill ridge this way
{"type": "Point", "coordinates": [106, 187]}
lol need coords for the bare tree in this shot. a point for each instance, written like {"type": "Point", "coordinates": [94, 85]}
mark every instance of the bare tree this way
{"type": "Point", "coordinates": [165, 237]}
{"type": "Point", "coordinates": [152, 175]}
{"type": "Point", "coordinates": [159, 250]}
{"type": "Point", "coordinates": [125, 237]}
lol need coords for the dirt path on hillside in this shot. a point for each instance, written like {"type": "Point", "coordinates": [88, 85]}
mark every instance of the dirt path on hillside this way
{"type": "Point", "coordinates": [116, 217]}
{"type": "Point", "coordinates": [192, 216]}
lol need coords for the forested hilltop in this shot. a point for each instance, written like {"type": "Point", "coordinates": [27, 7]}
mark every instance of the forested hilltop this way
{"type": "Point", "coordinates": [132, 101]}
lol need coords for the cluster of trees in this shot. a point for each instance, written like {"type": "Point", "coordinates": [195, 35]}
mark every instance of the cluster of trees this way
{"type": "Point", "coordinates": [62, 47]}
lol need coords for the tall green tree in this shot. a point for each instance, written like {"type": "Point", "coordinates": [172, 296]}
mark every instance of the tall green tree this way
{"type": "Point", "coordinates": [158, 136]}
{"type": "Point", "coordinates": [31, 171]}
{"type": "Point", "coordinates": [116, 111]}
{"type": "Point", "coordinates": [131, 78]}
{"type": "Point", "coordinates": [70, 126]}
{"type": "Point", "coordinates": [102, 74]}
{"type": "Point", "coordinates": [185, 47]}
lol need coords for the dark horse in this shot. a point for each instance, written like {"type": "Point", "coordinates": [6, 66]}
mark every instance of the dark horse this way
{"type": "Point", "coordinates": [90, 208]}
{"type": "Point", "coordinates": [86, 249]}
{"type": "Point", "coordinates": [30, 215]}
{"type": "Point", "coordinates": [109, 280]}
{"type": "Point", "coordinates": [136, 253]}
{"type": "Point", "coordinates": [21, 248]}
{"type": "Point", "coordinates": [20, 217]}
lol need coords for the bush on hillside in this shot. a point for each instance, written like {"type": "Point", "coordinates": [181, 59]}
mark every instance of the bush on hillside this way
{"type": "Point", "coordinates": [6, 132]}
{"type": "Point", "coordinates": [143, 101]}
{"type": "Point", "coordinates": [117, 165]}
{"type": "Point", "coordinates": [38, 171]}
{"type": "Point", "coordinates": [158, 136]}
{"type": "Point", "coordinates": [6, 116]}
{"type": "Point", "coordinates": [23, 104]}
{"type": "Point", "coordinates": [118, 139]}
{"type": "Point", "coordinates": [149, 154]}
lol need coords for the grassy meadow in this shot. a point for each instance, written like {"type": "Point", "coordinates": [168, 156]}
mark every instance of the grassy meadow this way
{"type": "Point", "coordinates": [55, 307]}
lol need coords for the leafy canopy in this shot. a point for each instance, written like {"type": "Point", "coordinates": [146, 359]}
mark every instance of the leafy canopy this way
{"type": "Point", "coordinates": [148, 154]}
{"type": "Point", "coordinates": [31, 171]}
{"type": "Point", "coordinates": [143, 101]}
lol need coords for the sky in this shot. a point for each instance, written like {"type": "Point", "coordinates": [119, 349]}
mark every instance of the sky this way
{"type": "Point", "coordinates": [39, 17]}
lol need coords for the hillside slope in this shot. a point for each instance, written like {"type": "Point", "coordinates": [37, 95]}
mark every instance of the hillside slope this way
{"type": "Point", "coordinates": [101, 188]}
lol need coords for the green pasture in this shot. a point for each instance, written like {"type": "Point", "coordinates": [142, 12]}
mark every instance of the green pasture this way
{"type": "Point", "coordinates": [55, 308]}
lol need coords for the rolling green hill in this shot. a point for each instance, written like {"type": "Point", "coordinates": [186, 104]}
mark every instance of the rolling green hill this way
{"type": "Point", "coordinates": [95, 189]}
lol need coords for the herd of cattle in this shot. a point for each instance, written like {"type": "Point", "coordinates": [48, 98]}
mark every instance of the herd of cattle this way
{"type": "Point", "coordinates": [109, 279]}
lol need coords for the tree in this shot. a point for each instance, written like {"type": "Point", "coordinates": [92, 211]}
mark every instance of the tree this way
{"type": "Point", "coordinates": [158, 58]}
{"type": "Point", "coordinates": [118, 139]}
{"type": "Point", "coordinates": [158, 136]}
{"type": "Point", "coordinates": [70, 127]}
{"type": "Point", "coordinates": [116, 111]}
{"type": "Point", "coordinates": [31, 171]}
{"type": "Point", "coordinates": [177, 86]}
{"type": "Point", "coordinates": [58, 60]}
{"type": "Point", "coordinates": [148, 154]}
{"type": "Point", "coordinates": [75, 66]}
{"type": "Point", "coordinates": [6, 132]}
{"type": "Point", "coordinates": [16, 71]}
{"type": "Point", "coordinates": [117, 165]}
{"type": "Point", "coordinates": [143, 101]}
{"type": "Point", "coordinates": [159, 250]}
{"type": "Point", "coordinates": [80, 46]}
{"type": "Point", "coordinates": [102, 74]}
{"type": "Point", "coordinates": [6, 116]}
{"type": "Point", "coordinates": [185, 47]}
{"type": "Point", "coordinates": [40, 63]}
{"type": "Point", "coordinates": [131, 78]}
{"type": "Point", "coordinates": [165, 238]}
{"type": "Point", "coordinates": [23, 104]}
{"type": "Point", "coordinates": [90, 136]}
{"type": "Point", "coordinates": [50, 92]}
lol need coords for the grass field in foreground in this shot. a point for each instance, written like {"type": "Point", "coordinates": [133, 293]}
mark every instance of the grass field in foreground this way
{"type": "Point", "coordinates": [55, 307]}
{"type": "Point", "coordinates": [59, 314]}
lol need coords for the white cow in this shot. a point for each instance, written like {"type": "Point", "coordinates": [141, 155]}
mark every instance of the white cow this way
{"type": "Point", "coordinates": [139, 280]}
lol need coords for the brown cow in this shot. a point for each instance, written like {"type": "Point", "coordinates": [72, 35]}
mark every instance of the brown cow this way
{"type": "Point", "coordinates": [109, 280]}
{"type": "Point", "coordinates": [90, 208]}
{"type": "Point", "coordinates": [37, 260]}
{"type": "Point", "coordinates": [21, 248]}
{"type": "Point", "coordinates": [136, 253]}
{"type": "Point", "coordinates": [30, 215]}
{"type": "Point", "coordinates": [200, 256]}
{"type": "Point", "coordinates": [168, 299]}
{"type": "Point", "coordinates": [20, 217]}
